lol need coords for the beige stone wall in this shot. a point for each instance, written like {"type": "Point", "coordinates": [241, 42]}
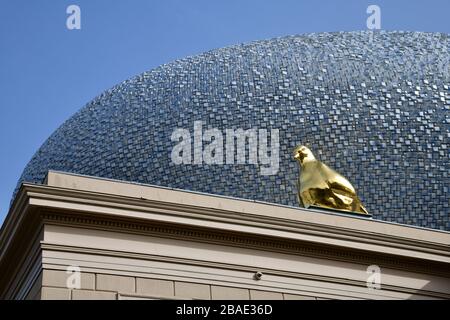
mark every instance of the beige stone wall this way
{"type": "Point", "coordinates": [113, 287]}
{"type": "Point", "coordinates": [142, 242]}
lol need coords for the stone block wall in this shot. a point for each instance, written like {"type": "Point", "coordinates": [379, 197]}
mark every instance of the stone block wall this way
{"type": "Point", "coordinates": [52, 285]}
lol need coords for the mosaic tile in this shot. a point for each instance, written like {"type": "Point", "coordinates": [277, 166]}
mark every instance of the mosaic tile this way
{"type": "Point", "coordinates": [373, 106]}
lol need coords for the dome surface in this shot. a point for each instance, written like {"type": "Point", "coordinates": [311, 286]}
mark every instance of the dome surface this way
{"type": "Point", "coordinates": [373, 106]}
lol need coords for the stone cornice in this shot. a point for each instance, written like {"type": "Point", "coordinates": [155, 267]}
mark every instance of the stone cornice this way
{"type": "Point", "coordinates": [131, 210]}
{"type": "Point", "coordinates": [244, 240]}
{"type": "Point", "coordinates": [90, 210]}
{"type": "Point", "coordinates": [216, 220]}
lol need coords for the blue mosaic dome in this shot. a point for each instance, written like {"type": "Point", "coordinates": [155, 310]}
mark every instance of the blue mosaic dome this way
{"type": "Point", "coordinates": [374, 106]}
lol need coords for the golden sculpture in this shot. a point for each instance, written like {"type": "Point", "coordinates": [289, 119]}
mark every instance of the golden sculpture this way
{"type": "Point", "coordinates": [321, 186]}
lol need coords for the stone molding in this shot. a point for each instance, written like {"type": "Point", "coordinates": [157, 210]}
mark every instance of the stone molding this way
{"type": "Point", "coordinates": [120, 207]}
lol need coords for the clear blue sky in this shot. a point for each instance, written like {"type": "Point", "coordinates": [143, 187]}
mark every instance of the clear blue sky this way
{"type": "Point", "coordinates": [48, 72]}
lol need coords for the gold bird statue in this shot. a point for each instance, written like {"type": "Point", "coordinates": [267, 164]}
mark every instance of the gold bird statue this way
{"type": "Point", "coordinates": [321, 186]}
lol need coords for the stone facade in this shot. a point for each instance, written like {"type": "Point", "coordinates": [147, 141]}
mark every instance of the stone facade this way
{"type": "Point", "coordinates": [112, 287]}
{"type": "Point", "coordinates": [130, 241]}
